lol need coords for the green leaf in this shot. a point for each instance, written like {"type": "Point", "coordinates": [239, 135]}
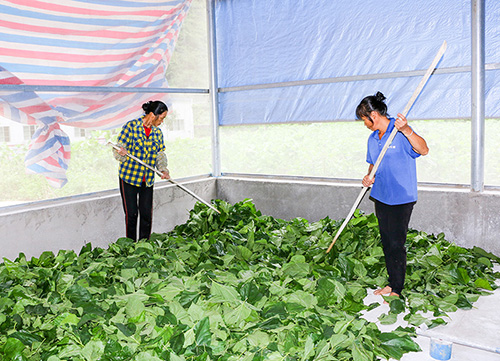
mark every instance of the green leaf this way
{"type": "Point", "coordinates": [275, 309]}
{"type": "Point", "coordinates": [78, 294]}
{"type": "Point", "coordinates": [93, 350]}
{"type": "Point", "coordinates": [388, 318]}
{"type": "Point", "coordinates": [147, 356]}
{"type": "Point", "coordinates": [258, 339]}
{"type": "Point", "coordinates": [135, 305]}
{"type": "Point", "coordinates": [482, 283]}
{"type": "Point", "coordinates": [396, 345]}
{"type": "Point", "coordinates": [128, 330]}
{"type": "Point", "coordinates": [243, 253]}
{"type": "Point", "coordinates": [270, 324]}
{"type": "Point", "coordinates": [396, 340]}
{"type": "Point", "coordinates": [296, 269]}
{"type": "Point", "coordinates": [222, 293]}
{"type": "Point", "coordinates": [308, 349]}
{"type": "Point", "coordinates": [251, 293]}
{"type": "Point", "coordinates": [302, 298]}
{"type": "Point", "coordinates": [27, 338]}
{"type": "Point", "coordinates": [13, 350]}
{"type": "Point", "coordinates": [174, 357]}
{"type": "Point", "coordinates": [66, 318]}
{"type": "Point", "coordinates": [236, 317]}
{"type": "Point", "coordinates": [291, 340]}
{"type": "Point", "coordinates": [37, 310]}
{"type": "Point", "coordinates": [202, 332]}
{"type": "Point", "coordinates": [330, 291]}
{"type": "Point", "coordinates": [485, 261]}
{"type": "Point", "coordinates": [177, 342]}
{"type": "Point", "coordinates": [346, 266]}
{"type": "Point", "coordinates": [436, 322]}
{"type": "Point", "coordinates": [433, 261]}
{"type": "Point", "coordinates": [189, 338]}
{"type": "Point", "coordinates": [342, 325]}
{"type": "Point", "coordinates": [359, 353]}
{"type": "Point", "coordinates": [339, 340]}
{"type": "Point", "coordinates": [415, 319]}
{"type": "Point", "coordinates": [463, 302]}
{"type": "Point", "coordinates": [397, 306]}
{"type": "Point", "coordinates": [481, 252]}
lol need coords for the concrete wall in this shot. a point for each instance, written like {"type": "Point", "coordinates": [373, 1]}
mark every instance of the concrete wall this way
{"type": "Point", "coordinates": [69, 223]}
{"type": "Point", "coordinates": [468, 219]}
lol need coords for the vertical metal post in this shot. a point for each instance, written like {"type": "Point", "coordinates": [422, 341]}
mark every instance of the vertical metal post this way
{"type": "Point", "coordinates": [477, 94]}
{"type": "Point", "coordinates": [214, 89]}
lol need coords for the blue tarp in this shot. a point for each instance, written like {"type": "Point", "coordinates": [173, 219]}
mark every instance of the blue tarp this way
{"type": "Point", "coordinates": [261, 42]}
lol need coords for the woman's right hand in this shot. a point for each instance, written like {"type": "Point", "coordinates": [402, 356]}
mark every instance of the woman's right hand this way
{"type": "Point", "coordinates": [367, 181]}
{"type": "Point", "coordinates": [122, 151]}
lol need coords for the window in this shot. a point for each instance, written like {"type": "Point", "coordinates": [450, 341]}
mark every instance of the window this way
{"type": "Point", "coordinates": [28, 131]}
{"type": "Point", "coordinates": [5, 134]}
{"type": "Point", "coordinates": [81, 133]}
{"type": "Point", "coordinates": [176, 124]}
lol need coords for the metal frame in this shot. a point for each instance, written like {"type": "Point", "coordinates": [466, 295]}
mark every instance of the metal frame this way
{"type": "Point", "coordinates": [214, 88]}
{"type": "Point", "coordinates": [96, 89]}
{"type": "Point", "coordinates": [344, 79]}
{"type": "Point", "coordinates": [477, 89]}
{"type": "Point", "coordinates": [477, 94]}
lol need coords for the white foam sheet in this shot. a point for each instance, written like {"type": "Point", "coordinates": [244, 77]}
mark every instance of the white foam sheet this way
{"type": "Point", "coordinates": [478, 326]}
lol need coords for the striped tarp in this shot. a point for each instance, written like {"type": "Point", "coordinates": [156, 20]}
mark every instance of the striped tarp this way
{"type": "Point", "coordinates": [112, 43]}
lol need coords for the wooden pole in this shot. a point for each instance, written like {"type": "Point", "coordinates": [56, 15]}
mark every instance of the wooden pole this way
{"type": "Point", "coordinates": [170, 180]}
{"type": "Point", "coordinates": [416, 93]}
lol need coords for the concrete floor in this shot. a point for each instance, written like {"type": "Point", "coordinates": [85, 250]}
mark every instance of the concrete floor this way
{"type": "Point", "coordinates": [478, 326]}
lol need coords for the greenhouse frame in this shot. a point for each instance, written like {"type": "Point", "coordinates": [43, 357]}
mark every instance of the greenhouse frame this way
{"type": "Point", "coordinates": [270, 65]}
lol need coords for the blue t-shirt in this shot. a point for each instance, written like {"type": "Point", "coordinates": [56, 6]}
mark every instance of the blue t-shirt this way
{"type": "Point", "coordinates": [396, 177]}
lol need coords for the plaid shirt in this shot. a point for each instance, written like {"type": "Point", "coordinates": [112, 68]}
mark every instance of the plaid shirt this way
{"type": "Point", "coordinates": [133, 138]}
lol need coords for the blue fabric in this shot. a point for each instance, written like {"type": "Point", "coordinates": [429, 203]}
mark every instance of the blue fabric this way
{"type": "Point", "coordinates": [396, 177]}
{"type": "Point", "coordinates": [261, 42]}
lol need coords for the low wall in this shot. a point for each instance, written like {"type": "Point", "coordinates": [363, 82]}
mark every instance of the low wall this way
{"type": "Point", "coordinates": [466, 218]}
{"type": "Point", "coordinates": [98, 218]}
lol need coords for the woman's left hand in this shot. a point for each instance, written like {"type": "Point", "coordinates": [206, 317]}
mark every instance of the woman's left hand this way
{"type": "Point", "coordinates": [402, 124]}
{"type": "Point", "coordinates": [165, 174]}
{"type": "Point", "coordinates": [417, 142]}
{"type": "Point", "coordinates": [122, 151]}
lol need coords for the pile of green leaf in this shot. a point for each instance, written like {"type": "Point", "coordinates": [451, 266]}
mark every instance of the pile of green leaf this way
{"type": "Point", "coordinates": [234, 286]}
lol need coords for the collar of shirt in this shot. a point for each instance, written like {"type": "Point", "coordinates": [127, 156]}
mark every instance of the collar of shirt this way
{"type": "Point", "coordinates": [388, 131]}
{"type": "Point", "coordinates": [147, 131]}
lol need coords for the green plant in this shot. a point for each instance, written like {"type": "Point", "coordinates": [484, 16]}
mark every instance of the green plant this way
{"type": "Point", "coordinates": [234, 286]}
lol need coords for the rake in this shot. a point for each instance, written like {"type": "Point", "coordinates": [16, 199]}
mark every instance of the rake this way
{"type": "Point", "coordinates": [194, 195]}
{"type": "Point", "coordinates": [416, 93]}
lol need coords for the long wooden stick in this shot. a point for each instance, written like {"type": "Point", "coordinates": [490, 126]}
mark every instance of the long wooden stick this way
{"type": "Point", "coordinates": [416, 93]}
{"type": "Point", "coordinates": [170, 180]}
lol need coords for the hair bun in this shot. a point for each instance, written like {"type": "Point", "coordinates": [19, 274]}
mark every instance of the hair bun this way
{"type": "Point", "coordinates": [380, 97]}
{"type": "Point", "coordinates": [145, 106]}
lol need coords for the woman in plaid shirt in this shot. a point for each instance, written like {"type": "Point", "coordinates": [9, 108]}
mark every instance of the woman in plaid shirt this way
{"type": "Point", "coordinates": [143, 139]}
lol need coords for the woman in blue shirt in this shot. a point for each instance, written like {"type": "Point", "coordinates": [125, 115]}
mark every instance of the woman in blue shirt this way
{"type": "Point", "coordinates": [394, 187]}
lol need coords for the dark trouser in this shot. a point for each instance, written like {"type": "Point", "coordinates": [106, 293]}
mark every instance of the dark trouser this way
{"type": "Point", "coordinates": [393, 225]}
{"type": "Point", "coordinates": [137, 201]}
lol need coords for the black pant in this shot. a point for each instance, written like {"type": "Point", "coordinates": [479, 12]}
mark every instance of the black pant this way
{"type": "Point", "coordinates": [137, 201]}
{"type": "Point", "coordinates": [393, 225]}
